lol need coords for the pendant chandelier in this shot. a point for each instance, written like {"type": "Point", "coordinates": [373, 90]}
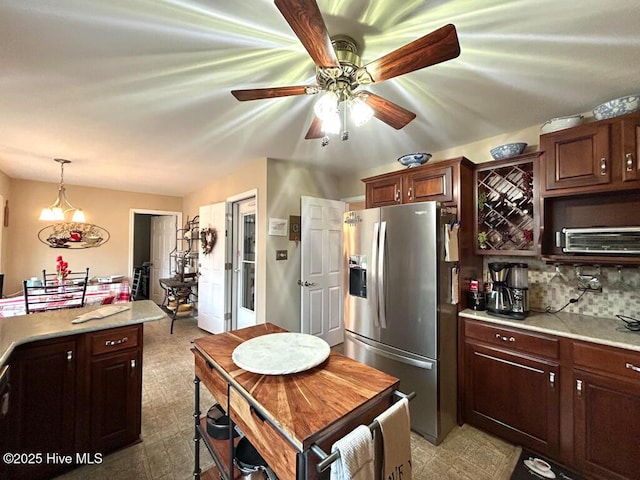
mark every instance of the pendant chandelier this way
{"type": "Point", "coordinates": [57, 211]}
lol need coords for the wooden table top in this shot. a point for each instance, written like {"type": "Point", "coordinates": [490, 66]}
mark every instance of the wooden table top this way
{"type": "Point", "coordinates": [305, 405]}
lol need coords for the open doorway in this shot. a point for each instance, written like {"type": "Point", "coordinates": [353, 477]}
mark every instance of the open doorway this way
{"type": "Point", "coordinates": [152, 236]}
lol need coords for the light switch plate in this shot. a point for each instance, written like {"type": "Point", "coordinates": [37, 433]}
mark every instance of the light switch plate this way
{"type": "Point", "coordinates": [281, 254]}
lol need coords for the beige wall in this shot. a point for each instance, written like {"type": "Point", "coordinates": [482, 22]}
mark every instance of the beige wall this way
{"type": "Point", "coordinates": [477, 152]}
{"type": "Point", "coordinates": [245, 178]}
{"type": "Point", "coordinates": [286, 183]}
{"type": "Point", "coordinates": [25, 256]}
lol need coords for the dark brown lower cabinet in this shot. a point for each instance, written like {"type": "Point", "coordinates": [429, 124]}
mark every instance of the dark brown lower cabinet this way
{"type": "Point", "coordinates": [42, 408]}
{"type": "Point", "coordinates": [607, 426]}
{"type": "Point", "coordinates": [523, 386]}
{"type": "Point", "coordinates": [115, 399]}
{"type": "Point", "coordinates": [513, 396]}
{"type": "Point", "coordinates": [72, 398]}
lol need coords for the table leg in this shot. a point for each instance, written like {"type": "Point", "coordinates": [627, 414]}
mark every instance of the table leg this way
{"type": "Point", "coordinates": [196, 435]}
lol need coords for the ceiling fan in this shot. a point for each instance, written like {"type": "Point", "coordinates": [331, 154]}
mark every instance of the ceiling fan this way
{"type": "Point", "coordinates": [339, 71]}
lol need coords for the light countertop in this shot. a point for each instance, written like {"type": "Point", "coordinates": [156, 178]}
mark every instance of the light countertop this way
{"type": "Point", "coordinates": [21, 329]}
{"type": "Point", "coordinates": [606, 331]}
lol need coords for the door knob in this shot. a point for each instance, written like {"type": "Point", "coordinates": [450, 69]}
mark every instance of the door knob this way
{"type": "Point", "coordinates": [306, 284]}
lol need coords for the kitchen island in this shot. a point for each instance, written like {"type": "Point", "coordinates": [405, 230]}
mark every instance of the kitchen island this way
{"type": "Point", "coordinates": [286, 416]}
{"type": "Point", "coordinates": [23, 329]}
{"type": "Point", "coordinates": [75, 389]}
{"type": "Point", "coordinates": [563, 385]}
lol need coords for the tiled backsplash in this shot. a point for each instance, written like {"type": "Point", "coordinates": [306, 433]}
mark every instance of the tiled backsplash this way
{"type": "Point", "coordinates": [610, 302]}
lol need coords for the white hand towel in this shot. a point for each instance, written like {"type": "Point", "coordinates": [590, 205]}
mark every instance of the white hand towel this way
{"type": "Point", "coordinates": [356, 456]}
{"type": "Point", "coordinates": [396, 440]}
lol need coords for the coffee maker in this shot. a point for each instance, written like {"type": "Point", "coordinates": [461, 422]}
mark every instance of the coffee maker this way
{"type": "Point", "coordinates": [502, 301]}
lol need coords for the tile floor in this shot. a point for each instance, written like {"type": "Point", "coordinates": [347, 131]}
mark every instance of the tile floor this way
{"type": "Point", "coordinates": [166, 449]}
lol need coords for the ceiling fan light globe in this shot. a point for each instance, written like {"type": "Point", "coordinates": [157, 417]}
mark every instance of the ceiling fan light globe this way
{"type": "Point", "coordinates": [361, 113]}
{"type": "Point", "coordinates": [331, 125]}
{"type": "Point", "coordinates": [326, 106]}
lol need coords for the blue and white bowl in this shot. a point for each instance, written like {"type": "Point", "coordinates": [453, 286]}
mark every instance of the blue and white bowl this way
{"type": "Point", "coordinates": [508, 150]}
{"type": "Point", "coordinates": [560, 123]}
{"type": "Point", "coordinates": [414, 159]}
{"type": "Point", "coordinates": [617, 107]}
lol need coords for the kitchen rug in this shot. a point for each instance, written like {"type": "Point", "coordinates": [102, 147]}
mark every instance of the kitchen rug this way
{"type": "Point", "coordinates": [531, 466]}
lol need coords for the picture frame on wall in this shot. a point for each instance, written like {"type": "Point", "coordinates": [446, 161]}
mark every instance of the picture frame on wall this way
{"type": "Point", "coordinates": [278, 227]}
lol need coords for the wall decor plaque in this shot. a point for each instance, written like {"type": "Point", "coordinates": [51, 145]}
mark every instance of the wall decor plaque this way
{"type": "Point", "coordinates": [73, 235]}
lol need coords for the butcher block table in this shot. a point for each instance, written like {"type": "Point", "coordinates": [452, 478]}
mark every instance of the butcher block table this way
{"type": "Point", "coordinates": [283, 416]}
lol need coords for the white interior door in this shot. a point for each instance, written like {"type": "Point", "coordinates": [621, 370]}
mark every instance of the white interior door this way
{"type": "Point", "coordinates": [321, 276]}
{"type": "Point", "coordinates": [244, 263]}
{"type": "Point", "coordinates": [213, 306]}
{"type": "Point", "coordinates": [163, 241]}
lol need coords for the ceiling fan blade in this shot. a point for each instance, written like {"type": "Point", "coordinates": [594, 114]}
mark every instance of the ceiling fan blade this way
{"type": "Point", "coordinates": [388, 112]}
{"type": "Point", "coordinates": [315, 129]}
{"type": "Point", "coordinates": [260, 93]}
{"type": "Point", "coordinates": [438, 46]}
{"type": "Point", "coordinates": [304, 17]}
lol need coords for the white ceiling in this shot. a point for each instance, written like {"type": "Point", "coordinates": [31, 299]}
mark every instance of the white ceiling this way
{"type": "Point", "coordinates": [136, 92]}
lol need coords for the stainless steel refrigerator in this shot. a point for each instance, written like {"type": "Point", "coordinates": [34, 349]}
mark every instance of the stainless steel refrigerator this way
{"type": "Point", "coordinates": [398, 310]}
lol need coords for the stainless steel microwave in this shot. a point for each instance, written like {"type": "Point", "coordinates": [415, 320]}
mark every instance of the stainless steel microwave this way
{"type": "Point", "coordinates": [599, 240]}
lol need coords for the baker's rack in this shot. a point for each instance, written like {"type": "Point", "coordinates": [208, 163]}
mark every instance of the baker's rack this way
{"type": "Point", "coordinates": [183, 259]}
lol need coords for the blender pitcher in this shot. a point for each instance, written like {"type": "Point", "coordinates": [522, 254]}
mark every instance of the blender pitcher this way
{"type": "Point", "coordinates": [519, 286]}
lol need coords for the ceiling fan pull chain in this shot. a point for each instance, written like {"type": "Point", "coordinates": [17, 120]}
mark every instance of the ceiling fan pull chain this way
{"type": "Point", "coordinates": [345, 130]}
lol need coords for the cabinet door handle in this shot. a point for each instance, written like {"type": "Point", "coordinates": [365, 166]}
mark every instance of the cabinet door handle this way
{"type": "Point", "coordinates": [133, 364]}
{"type": "Point", "coordinates": [397, 195]}
{"type": "Point", "coordinates": [505, 339]}
{"type": "Point", "coordinates": [69, 355]}
{"type": "Point", "coordinates": [603, 166]}
{"type": "Point", "coordinates": [631, 366]}
{"type": "Point", "coordinates": [410, 193]}
{"type": "Point", "coordinates": [579, 388]}
{"type": "Point", "coordinates": [111, 343]}
{"type": "Point", "coordinates": [552, 379]}
{"type": "Point", "coordinates": [629, 162]}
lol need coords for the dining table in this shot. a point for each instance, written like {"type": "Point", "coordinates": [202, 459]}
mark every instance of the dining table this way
{"type": "Point", "coordinates": [97, 294]}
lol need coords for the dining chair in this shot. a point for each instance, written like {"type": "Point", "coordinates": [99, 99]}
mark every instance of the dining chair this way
{"type": "Point", "coordinates": [73, 277]}
{"type": "Point", "coordinates": [55, 296]}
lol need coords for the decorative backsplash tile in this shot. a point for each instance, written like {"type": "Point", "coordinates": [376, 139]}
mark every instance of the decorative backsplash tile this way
{"type": "Point", "coordinates": [611, 301]}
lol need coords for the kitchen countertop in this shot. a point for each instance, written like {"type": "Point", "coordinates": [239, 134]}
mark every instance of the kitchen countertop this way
{"type": "Point", "coordinates": [606, 331]}
{"type": "Point", "coordinates": [22, 329]}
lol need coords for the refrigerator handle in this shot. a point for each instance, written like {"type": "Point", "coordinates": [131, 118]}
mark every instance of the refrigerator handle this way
{"type": "Point", "coordinates": [391, 355]}
{"type": "Point", "coordinates": [382, 311]}
{"type": "Point", "coordinates": [373, 270]}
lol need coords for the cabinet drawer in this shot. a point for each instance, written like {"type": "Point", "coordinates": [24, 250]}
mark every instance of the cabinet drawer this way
{"type": "Point", "coordinates": [513, 339]}
{"type": "Point", "coordinates": [211, 378]}
{"type": "Point", "coordinates": [625, 363]}
{"type": "Point", "coordinates": [115, 339]}
{"type": "Point", "coordinates": [279, 454]}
